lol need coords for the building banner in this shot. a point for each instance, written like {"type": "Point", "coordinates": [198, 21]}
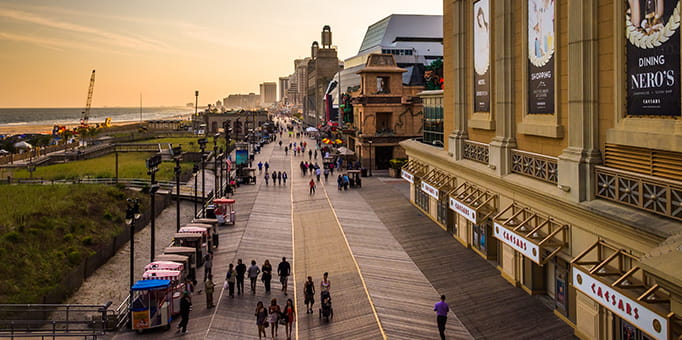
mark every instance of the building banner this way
{"type": "Point", "coordinates": [541, 56]}
{"type": "Point", "coordinates": [482, 56]}
{"type": "Point", "coordinates": [653, 57]}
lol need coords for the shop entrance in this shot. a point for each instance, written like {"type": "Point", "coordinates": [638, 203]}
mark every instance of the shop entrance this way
{"type": "Point", "coordinates": [383, 154]}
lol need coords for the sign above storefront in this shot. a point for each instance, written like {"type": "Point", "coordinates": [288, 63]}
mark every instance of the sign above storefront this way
{"type": "Point", "coordinates": [462, 209]}
{"type": "Point", "coordinates": [625, 307]}
{"type": "Point", "coordinates": [407, 176]}
{"type": "Point", "coordinates": [520, 244]}
{"type": "Point", "coordinates": [429, 189]}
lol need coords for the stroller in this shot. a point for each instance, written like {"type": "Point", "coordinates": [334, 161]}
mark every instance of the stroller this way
{"type": "Point", "coordinates": [326, 309]}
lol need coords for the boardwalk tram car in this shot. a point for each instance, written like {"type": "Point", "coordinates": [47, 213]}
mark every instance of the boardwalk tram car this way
{"type": "Point", "coordinates": [151, 306]}
{"type": "Point", "coordinates": [177, 279]}
{"type": "Point", "coordinates": [191, 240]}
{"type": "Point", "coordinates": [224, 210]}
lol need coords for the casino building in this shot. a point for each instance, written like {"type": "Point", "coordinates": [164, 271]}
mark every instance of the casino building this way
{"type": "Point", "coordinates": [562, 156]}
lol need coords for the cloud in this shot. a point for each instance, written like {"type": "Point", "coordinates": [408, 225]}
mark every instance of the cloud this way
{"type": "Point", "coordinates": [55, 44]}
{"type": "Point", "coordinates": [119, 40]}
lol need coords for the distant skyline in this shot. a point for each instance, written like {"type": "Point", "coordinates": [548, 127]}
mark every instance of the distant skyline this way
{"type": "Point", "coordinates": [167, 49]}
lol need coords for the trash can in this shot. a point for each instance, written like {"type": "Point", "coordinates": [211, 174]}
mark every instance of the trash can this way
{"type": "Point", "coordinates": [210, 211]}
{"type": "Point", "coordinates": [363, 172]}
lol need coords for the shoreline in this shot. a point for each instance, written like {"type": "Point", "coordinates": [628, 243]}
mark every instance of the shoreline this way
{"type": "Point", "coordinates": [46, 129]}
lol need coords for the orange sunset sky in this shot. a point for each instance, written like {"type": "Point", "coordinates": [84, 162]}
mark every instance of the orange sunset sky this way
{"type": "Point", "coordinates": [166, 49]}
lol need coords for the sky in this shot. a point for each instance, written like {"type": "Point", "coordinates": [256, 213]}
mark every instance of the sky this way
{"type": "Point", "coordinates": [164, 50]}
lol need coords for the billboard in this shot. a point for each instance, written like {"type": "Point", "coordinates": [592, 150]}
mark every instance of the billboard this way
{"type": "Point", "coordinates": [242, 157]}
{"type": "Point", "coordinates": [481, 56]}
{"type": "Point", "coordinates": [541, 56]}
{"type": "Point", "coordinates": [653, 57]}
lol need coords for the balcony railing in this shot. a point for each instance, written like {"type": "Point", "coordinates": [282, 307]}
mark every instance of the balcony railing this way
{"type": "Point", "coordinates": [648, 193]}
{"type": "Point", "coordinates": [530, 164]}
{"type": "Point", "coordinates": [477, 152]}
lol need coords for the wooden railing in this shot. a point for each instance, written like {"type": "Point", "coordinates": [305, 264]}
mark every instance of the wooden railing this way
{"type": "Point", "coordinates": [534, 165]}
{"type": "Point", "coordinates": [477, 152]}
{"type": "Point", "coordinates": [656, 195]}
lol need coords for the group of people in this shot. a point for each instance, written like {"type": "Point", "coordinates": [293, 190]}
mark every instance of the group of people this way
{"type": "Point", "coordinates": [277, 177]}
{"type": "Point", "coordinates": [235, 275]}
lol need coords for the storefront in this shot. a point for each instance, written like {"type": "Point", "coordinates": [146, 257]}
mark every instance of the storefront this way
{"type": "Point", "coordinates": [545, 262]}
{"type": "Point", "coordinates": [413, 171]}
{"type": "Point", "coordinates": [437, 184]}
{"type": "Point", "coordinates": [634, 305]}
{"type": "Point", "coordinates": [475, 206]}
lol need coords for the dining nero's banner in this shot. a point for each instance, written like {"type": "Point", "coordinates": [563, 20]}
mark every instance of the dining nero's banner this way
{"type": "Point", "coordinates": [541, 56]}
{"type": "Point", "coordinates": [481, 56]}
{"type": "Point", "coordinates": [653, 57]}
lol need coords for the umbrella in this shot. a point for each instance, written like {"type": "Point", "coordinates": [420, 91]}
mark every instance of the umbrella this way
{"type": "Point", "coordinates": [23, 145]}
{"type": "Point", "coordinates": [338, 141]}
{"type": "Point", "coordinates": [4, 152]}
{"type": "Point", "coordinates": [344, 151]}
{"type": "Point", "coordinates": [311, 129]}
{"type": "Point", "coordinates": [327, 141]}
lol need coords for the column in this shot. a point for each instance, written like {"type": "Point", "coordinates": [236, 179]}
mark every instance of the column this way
{"type": "Point", "coordinates": [454, 37]}
{"type": "Point", "coordinates": [575, 175]}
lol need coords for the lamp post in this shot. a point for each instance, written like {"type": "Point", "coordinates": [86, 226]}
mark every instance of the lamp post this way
{"type": "Point", "coordinates": [132, 214]}
{"type": "Point", "coordinates": [152, 167]}
{"type": "Point", "coordinates": [195, 169]}
{"type": "Point", "coordinates": [370, 157]}
{"type": "Point", "coordinates": [216, 174]}
{"type": "Point", "coordinates": [177, 154]}
{"type": "Point", "coordinates": [202, 145]}
{"type": "Point", "coordinates": [196, 103]}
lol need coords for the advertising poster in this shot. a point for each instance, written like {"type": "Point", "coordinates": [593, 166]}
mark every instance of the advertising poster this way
{"type": "Point", "coordinates": [653, 57]}
{"type": "Point", "coordinates": [242, 157]}
{"type": "Point", "coordinates": [481, 56]}
{"type": "Point", "coordinates": [541, 56]}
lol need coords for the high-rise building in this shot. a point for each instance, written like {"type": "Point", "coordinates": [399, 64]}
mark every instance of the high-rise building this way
{"type": "Point", "coordinates": [562, 157]}
{"type": "Point", "coordinates": [268, 94]}
{"type": "Point", "coordinates": [322, 66]}
{"type": "Point", "coordinates": [283, 89]}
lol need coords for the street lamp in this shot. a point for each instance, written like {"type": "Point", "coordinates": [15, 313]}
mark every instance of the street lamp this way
{"type": "Point", "coordinates": [370, 157]}
{"type": "Point", "coordinates": [202, 145]}
{"type": "Point", "coordinates": [176, 152]}
{"type": "Point", "coordinates": [196, 103]}
{"type": "Point", "coordinates": [195, 169]}
{"type": "Point", "coordinates": [215, 165]}
{"type": "Point", "coordinates": [152, 167]}
{"type": "Point", "coordinates": [132, 214]}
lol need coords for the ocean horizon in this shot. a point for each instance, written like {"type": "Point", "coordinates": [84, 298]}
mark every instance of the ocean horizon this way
{"type": "Point", "coordinates": [70, 116]}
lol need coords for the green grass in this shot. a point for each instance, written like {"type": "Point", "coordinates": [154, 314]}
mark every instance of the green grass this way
{"type": "Point", "coordinates": [47, 230]}
{"type": "Point", "coordinates": [130, 165]}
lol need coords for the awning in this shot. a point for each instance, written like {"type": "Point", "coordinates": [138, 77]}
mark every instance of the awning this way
{"type": "Point", "coordinates": [474, 203]}
{"type": "Point", "coordinates": [537, 237]}
{"type": "Point", "coordinates": [438, 180]}
{"type": "Point", "coordinates": [612, 277]}
{"type": "Point", "coordinates": [411, 169]}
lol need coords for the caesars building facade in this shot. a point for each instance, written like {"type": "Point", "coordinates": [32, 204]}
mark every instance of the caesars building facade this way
{"type": "Point", "coordinates": [562, 156]}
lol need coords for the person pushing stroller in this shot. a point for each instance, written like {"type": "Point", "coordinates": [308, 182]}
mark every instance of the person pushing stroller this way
{"type": "Point", "coordinates": [326, 309]}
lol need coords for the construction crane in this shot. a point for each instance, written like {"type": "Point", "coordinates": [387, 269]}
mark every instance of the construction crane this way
{"type": "Point", "coordinates": [86, 113]}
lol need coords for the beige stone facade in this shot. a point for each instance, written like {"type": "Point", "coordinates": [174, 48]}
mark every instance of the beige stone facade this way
{"type": "Point", "coordinates": [582, 206]}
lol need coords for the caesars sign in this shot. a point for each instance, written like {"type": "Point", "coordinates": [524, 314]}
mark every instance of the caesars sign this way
{"type": "Point", "coordinates": [407, 176]}
{"type": "Point", "coordinates": [520, 244]}
{"type": "Point", "coordinates": [653, 57]}
{"type": "Point", "coordinates": [481, 56]}
{"type": "Point", "coordinates": [541, 56]}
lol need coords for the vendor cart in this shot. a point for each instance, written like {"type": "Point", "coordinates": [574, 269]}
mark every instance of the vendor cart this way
{"type": "Point", "coordinates": [151, 306]}
{"type": "Point", "coordinates": [224, 210]}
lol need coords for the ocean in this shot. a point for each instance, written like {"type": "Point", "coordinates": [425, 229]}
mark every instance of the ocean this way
{"type": "Point", "coordinates": [72, 116]}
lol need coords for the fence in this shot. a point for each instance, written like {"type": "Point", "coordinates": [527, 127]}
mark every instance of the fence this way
{"type": "Point", "coordinates": [55, 320]}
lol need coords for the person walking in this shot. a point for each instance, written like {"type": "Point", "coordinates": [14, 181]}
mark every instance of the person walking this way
{"type": "Point", "coordinates": [310, 154]}
{"type": "Point", "coordinates": [290, 315]}
{"type": "Point", "coordinates": [326, 175]}
{"type": "Point", "coordinates": [315, 153]}
{"type": "Point", "coordinates": [283, 271]}
{"type": "Point", "coordinates": [267, 166]}
{"type": "Point", "coordinates": [312, 186]}
{"type": "Point", "coordinates": [331, 168]}
{"type": "Point", "coordinates": [274, 312]}
{"type": "Point", "coordinates": [261, 319]}
{"type": "Point", "coordinates": [267, 177]}
{"type": "Point", "coordinates": [284, 177]}
{"type": "Point", "coordinates": [241, 270]}
{"type": "Point", "coordinates": [325, 284]}
{"type": "Point", "coordinates": [231, 277]}
{"type": "Point", "coordinates": [266, 275]}
{"type": "Point", "coordinates": [185, 305]}
{"type": "Point", "coordinates": [260, 166]}
{"type": "Point", "coordinates": [286, 150]}
{"type": "Point", "coordinates": [309, 293]}
{"type": "Point", "coordinates": [441, 308]}
{"type": "Point", "coordinates": [279, 177]}
{"type": "Point", "coordinates": [209, 287]}
{"type": "Point", "coordinates": [253, 272]}
{"type": "Point", "coordinates": [208, 265]}
{"type": "Point", "coordinates": [317, 173]}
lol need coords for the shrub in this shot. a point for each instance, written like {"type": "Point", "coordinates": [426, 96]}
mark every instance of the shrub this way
{"type": "Point", "coordinates": [68, 238]}
{"type": "Point", "coordinates": [88, 240]}
{"type": "Point", "coordinates": [13, 236]}
{"type": "Point", "coordinates": [74, 257]}
{"type": "Point", "coordinates": [397, 163]}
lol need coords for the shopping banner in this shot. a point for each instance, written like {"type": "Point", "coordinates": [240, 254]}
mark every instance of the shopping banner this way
{"type": "Point", "coordinates": [653, 57]}
{"type": "Point", "coordinates": [481, 56]}
{"type": "Point", "coordinates": [541, 56]}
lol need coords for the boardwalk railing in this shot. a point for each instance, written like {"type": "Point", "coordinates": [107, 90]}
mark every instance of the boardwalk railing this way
{"type": "Point", "coordinates": [55, 320]}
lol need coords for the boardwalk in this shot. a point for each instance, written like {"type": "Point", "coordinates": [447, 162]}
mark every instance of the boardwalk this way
{"type": "Point", "coordinates": [388, 265]}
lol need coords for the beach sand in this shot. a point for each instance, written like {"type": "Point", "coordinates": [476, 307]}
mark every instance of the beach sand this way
{"type": "Point", "coordinates": [9, 130]}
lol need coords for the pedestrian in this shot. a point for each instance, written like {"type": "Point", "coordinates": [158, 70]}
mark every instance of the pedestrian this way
{"type": "Point", "coordinates": [253, 272]}
{"type": "Point", "coordinates": [240, 269]}
{"type": "Point", "coordinates": [260, 166]}
{"type": "Point", "coordinates": [441, 308]}
{"type": "Point", "coordinates": [266, 275]}
{"type": "Point", "coordinates": [331, 168]}
{"type": "Point", "coordinates": [283, 271]}
{"type": "Point", "coordinates": [286, 150]}
{"type": "Point", "coordinates": [312, 186]}
{"type": "Point", "coordinates": [208, 264]}
{"type": "Point", "coordinates": [310, 154]}
{"type": "Point", "coordinates": [261, 319]}
{"type": "Point", "coordinates": [284, 177]}
{"type": "Point", "coordinates": [317, 173]}
{"type": "Point", "coordinates": [309, 293]}
{"type": "Point", "coordinates": [315, 153]}
{"type": "Point", "coordinates": [280, 144]}
{"type": "Point", "coordinates": [339, 182]}
{"type": "Point", "coordinates": [326, 175]}
{"type": "Point", "coordinates": [325, 284]}
{"type": "Point", "coordinates": [346, 181]}
{"type": "Point", "coordinates": [209, 287]}
{"type": "Point", "coordinates": [231, 277]}
{"type": "Point", "coordinates": [267, 177]}
{"type": "Point", "coordinates": [290, 315]}
{"type": "Point", "coordinates": [274, 312]}
{"type": "Point", "coordinates": [267, 166]}
{"type": "Point", "coordinates": [279, 177]}
{"type": "Point", "coordinates": [185, 305]}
